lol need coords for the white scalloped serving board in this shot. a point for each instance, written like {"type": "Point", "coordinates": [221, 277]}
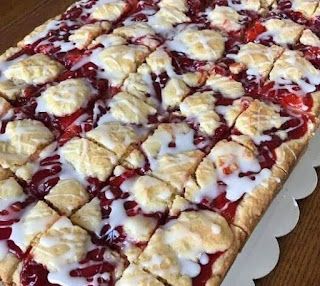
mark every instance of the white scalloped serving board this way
{"type": "Point", "coordinates": [261, 253]}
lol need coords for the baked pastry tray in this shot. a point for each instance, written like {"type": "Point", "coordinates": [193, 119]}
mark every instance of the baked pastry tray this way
{"type": "Point", "coordinates": [141, 142]}
{"type": "Point", "coordinates": [261, 252]}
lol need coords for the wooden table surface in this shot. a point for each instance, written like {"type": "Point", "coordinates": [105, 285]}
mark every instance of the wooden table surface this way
{"type": "Point", "coordinates": [299, 263]}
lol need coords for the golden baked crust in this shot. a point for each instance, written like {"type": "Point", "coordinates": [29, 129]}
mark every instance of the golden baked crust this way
{"type": "Point", "coordinates": [138, 123]}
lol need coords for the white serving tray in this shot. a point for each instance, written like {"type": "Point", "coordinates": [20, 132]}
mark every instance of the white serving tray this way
{"type": "Point", "coordinates": [261, 252]}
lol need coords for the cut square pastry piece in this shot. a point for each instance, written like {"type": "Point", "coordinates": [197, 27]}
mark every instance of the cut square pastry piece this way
{"type": "Point", "coordinates": [225, 18]}
{"type": "Point", "coordinates": [169, 15]}
{"type": "Point", "coordinates": [109, 11]}
{"type": "Point", "coordinates": [275, 31]}
{"type": "Point", "coordinates": [36, 69]}
{"type": "Point", "coordinates": [21, 139]}
{"type": "Point", "coordinates": [213, 108]}
{"type": "Point", "coordinates": [169, 154]}
{"type": "Point", "coordinates": [66, 97]}
{"type": "Point", "coordinates": [79, 160]}
{"type": "Point", "coordinates": [117, 137]}
{"type": "Point", "coordinates": [128, 109]}
{"type": "Point", "coordinates": [234, 181]}
{"type": "Point", "coordinates": [137, 32]}
{"type": "Point", "coordinates": [292, 67]}
{"type": "Point", "coordinates": [192, 248]}
{"type": "Point", "coordinates": [134, 275]}
{"type": "Point", "coordinates": [66, 256]}
{"type": "Point", "coordinates": [83, 36]}
{"type": "Point", "coordinates": [67, 196]}
{"type": "Point", "coordinates": [279, 135]}
{"type": "Point", "coordinates": [196, 44]}
{"type": "Point", "coordinates": [256, 59]}
{"type": "Point", "coordinates": [112, 58]}
{"type": "Point", "coordinates": [162, 82]}
{"type": "Point", "coordinates": [126, 211]}
{"type": "Point", "coordinates": [22, 223]}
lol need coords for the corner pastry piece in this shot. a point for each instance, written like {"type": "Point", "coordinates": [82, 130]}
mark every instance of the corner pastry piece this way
{"type": "Point", "coordinates": [127, 211]}
{"type": "Point", "coordinates": [65, 256]}
{"type": "Point", "coordinates": [169, 154]}
{"type": "Point", "coordinates": [279, 135]}
{"type": "Point", "coordinates": [293, 67]}
{"type": "Point", "coordinates": [207, 242]}
{"type": "Point", "coordinates": [257, 59]}
{"type": "Point", "coordinates": [235, 182]}
{"type": "Point", "coordinates": [24, 223]}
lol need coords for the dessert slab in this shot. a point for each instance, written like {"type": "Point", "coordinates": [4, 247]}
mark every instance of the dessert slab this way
{"type": "Point", "coordinates": [125, 124]}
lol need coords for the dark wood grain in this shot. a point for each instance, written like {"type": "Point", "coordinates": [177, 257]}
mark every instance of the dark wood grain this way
{"type": "Point", "coordinates": [299, 263]}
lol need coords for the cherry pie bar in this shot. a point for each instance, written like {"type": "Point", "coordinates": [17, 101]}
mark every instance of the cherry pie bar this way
{"type": "Point", "coordinates": [142, 141]}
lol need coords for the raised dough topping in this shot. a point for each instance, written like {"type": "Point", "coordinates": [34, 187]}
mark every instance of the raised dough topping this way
{"type": "Point", "coordinates": [36, 69]}
{"type": "Point", "coordinates": [65, 98]}
{"type": "Point", "coordinates": [203, 45]}
{"type": "Point", "coordinates": [225, 18]}
{"type": "Point", "coordinates": [88, 158]}
{"type": "Point", "coordinates": [293, 67]}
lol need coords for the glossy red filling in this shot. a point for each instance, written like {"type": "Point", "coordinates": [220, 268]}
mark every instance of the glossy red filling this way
{"type": "Point", "coordinates": [312, 54]}
{"type": "Point", "coordinates": [117, 237]}
{"type": "Point", "coordinates": [47, 176]}
{"type": "Point", "coordinates": [206, 270]}
{"type": "Point", "coordinates": [292, 100]}
{"type": "Point", "coordinates": [222, 205]}
{"type": "Point", "coordinates": [254, 31]}
{"type": "Point", "coordinates": [93, 266]}
{"type": "Point", "coordinates": [295, 128]}
{"type": "Point", "coordinates": [285, 6]}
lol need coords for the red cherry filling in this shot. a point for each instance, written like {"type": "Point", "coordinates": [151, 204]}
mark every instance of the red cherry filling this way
{"type": "Point", "coordinates": [293, 99]}
{"type": "Point", "coordinates": [116, 237]}
{"type": "Point", "coordinates": [313, 55]}
{"type": "Point", "coordinates": [183, 64]}
{"type": "Point", "coordinates": [254, 31]}
{"type": "Point", "coordinates": [34, 274]}
{"type": "Point", "coordinates": [93, 267]}
{"type": "Point", "coordinates": [206, 270]}
{"type": "Point", "coordinates": [222, 205]}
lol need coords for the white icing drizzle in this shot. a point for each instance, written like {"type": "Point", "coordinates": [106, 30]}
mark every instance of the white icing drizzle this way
{"type": "Point", "coordinates": [183, 143]}
{"type": "Point", "coordinates": [204, 259]}
{"type": "Point", "coordinates": [189, 267]}
{"type": "Point", "coordinates": [118, 214]}
{"type": "Point", "coordinates": [237, 186]}
{"type": "Point", "coordinates": [63, 278]}
{"type": "Point", "coordinates": [51, 25]}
